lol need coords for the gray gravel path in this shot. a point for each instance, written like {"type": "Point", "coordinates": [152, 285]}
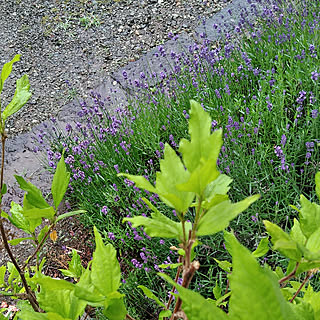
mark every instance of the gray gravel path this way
{"type": "Point", "coordinates": [82, 41]}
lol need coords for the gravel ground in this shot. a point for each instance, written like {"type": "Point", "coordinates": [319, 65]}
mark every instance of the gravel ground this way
{"type": "Point", "coordinates": [82, 41]}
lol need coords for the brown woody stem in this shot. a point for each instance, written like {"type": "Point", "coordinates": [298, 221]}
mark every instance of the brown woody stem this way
{"type": "Point", "coordinates": [30, 295]}
{"type": "Point", "coordinates": [301, 286]}
{"type": "Point", "coordinates": [290, 275]}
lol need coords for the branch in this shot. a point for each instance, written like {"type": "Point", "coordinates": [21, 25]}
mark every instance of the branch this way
{"type": "Point", "coordinates": [301, 286]}
{"type": "Point", "coordinates": [290, 275]}
{"type": "Point", "coordinates": [31, 297]}
{"type": "Point", "coordinates": [39, 246]}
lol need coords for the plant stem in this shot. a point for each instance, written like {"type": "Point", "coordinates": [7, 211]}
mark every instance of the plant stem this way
{"type": "Point", "coordinates": [290, 275]}
{"type": "Point", "coordinates": [175, 280]}
{"type": "Point", "coordinates": [39, 246]}
{"type": "Point", "coordinates": [30, 295]}
{"type": "Point", "coordinates": [301, 286]}
{"type": "Point", "coordinates": [128, 317]}
{"type": "Point", "coordinates": [188, 275]}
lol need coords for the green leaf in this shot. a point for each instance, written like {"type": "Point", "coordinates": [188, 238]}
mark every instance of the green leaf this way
{"type": "Point", "coordinates": [164, 314]}
{"type": "Point", "coordinates": [313, 244]}
{"type": "Point", "coordinates": [314, 299]}
{"type": "Point", "coordinates": [114, 307]}
{"type": "Point", "coordinates": [282, 242]}
{"type": "Point", "coordinates": [152, 296]}
{"type": "Point", "coordinates": [217, 291]}
{"type": "Point", "coordinates": [253, 288]}
{"type": "Point", "coordinates": [218, 217]}
{"type": "Point", "coordinates": [158, 226]}
{"type": "Point", "coordinates": [20, 98]}
{"type": "Point", "coordinates": [306, 265]}
{"type": "Point", "coordinates": [86, 291]}
{"type": "Point", "coordinates": [34, 197]}
{"type": "Point", "coordinates": [203, 145]}
{"type": "Point", "coordinates": [4, 189]}
{"type": "Point", "coordinates": [105, 267]}
{"type": "Point", "coordinates": [37, 213]}
{"type": "Point", "coordinates": [262, 249]}
{"type": "Point", "coordinates": [58, 296]}
{"type": "Point", "coordinates": [224, 265]}
{"type": "Point", "coordinates": [42, 233]}
{"type": "Point", "coordinates": [172, 173]}
{"type": "Point", "coordinates": [317, 180]}
{"type": "Point", "coordinates": [140, 182]}
{"type": "Point", "coordinates": [195, 306]}
{"type": "Point", "coordinates": [6, 70]}
{"type": "Point", "coordinates": [16, 241]}
{"type": "Point", "coordinates": [18, 219]}
{"type": "Point", "coordinates": [60, 182]}
{"type": "Point", "coordinates": [28, 315]}
{"type": "Point", "coordinates": [75, 265]}
{"type": "Point", "coordinates": [303, 311]}
{"type": "Point", "coordinates": [296, 233]}
{"type": "Point", "coordinates": [69, 214]}
{"type": "Point", "coordinates": [309, 216]}
{"type": "Point", "coordinates": [2, 274]}
{"type": "Point", "coordinates": [170, 265]}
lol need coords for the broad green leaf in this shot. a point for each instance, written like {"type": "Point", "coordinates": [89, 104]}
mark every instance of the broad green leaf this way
{"type": "Point", "coordinates": [219, 186]}
{"type": "Point", "coordinates": [2, 273]}
{"type": "Point", "coordinates": [37, 213]}
{"type": "Point", "coordinates": [114, 307]}
{"type": "Point", "coordinates": [6, 70]}
{"type": "Point", "coordinates": [309, 216]}
{"type": "Point", "coordinates": [69, 214]}
{"type": "Point", "coordinates": [296, 233]}
{"type": "Point", "coordinates": [18, 219]}
{"type": "Point", "coordinates": [218, 217]}
{"type": "Point", "coordinates": [203, 145]}
{"type": "Point", "coordinates": [317, 179]}
{"type": "Point", "coordinates": [164, 314]}
{"type": "Point", "coordinates": [195, 306]}
{"type": "Point", "coordinates": [172, 173]}
{"type": "Point", "coordinates": [20, 98]}
{"type": "Point", "coordinates": [159, 226]}
{"type": "Point", "coordinates": [282, 242]}
{"type": "Point", "coordinates": [34, 197]}
{"type": "Point", "coordinates": [313, 245]}
{"type": "Point", "coordinates": [58, 296]}
{"type": "Point", "coordinates": [152, 296]}
{"type": "Point", "coordinates": [303, 311]}
{"type": "Point", "coordinates": [28, 315]}
{"type": "Point", "coordinates": [314, 299]}
{"type": "Point", "coordinates": [262, 249]}
{"type": "Point", "coordinates": [105, 272]}
{"type": "Point", "coordinates": [199, 179]}
{"type": "Point", "coordinates": [224, 265]}
{"type": "Point", "coordinates": [253, 288]}
{"type": "Point", "coordinates": [16, 241]}
{"type": "Point", "coordinates": [86, 291]}
{"type": "Point", "coordinates": [140, 182]}
{"type": "Point", "coordinates": [60, 182]}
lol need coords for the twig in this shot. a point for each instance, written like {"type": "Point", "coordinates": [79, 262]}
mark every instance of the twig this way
{"type": "Point", "coordinates": [128, 317]}
{"type": "Point", "coordinates": [31, 297]}
{"type": "Point", "coordinates": [301, 286]}
{"type": "Point", "coordinates": [290, 275]}
{"type": "Point", "coordinates": [39, 246]}
{"type": "Point", "coordinates": [175, 280]}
